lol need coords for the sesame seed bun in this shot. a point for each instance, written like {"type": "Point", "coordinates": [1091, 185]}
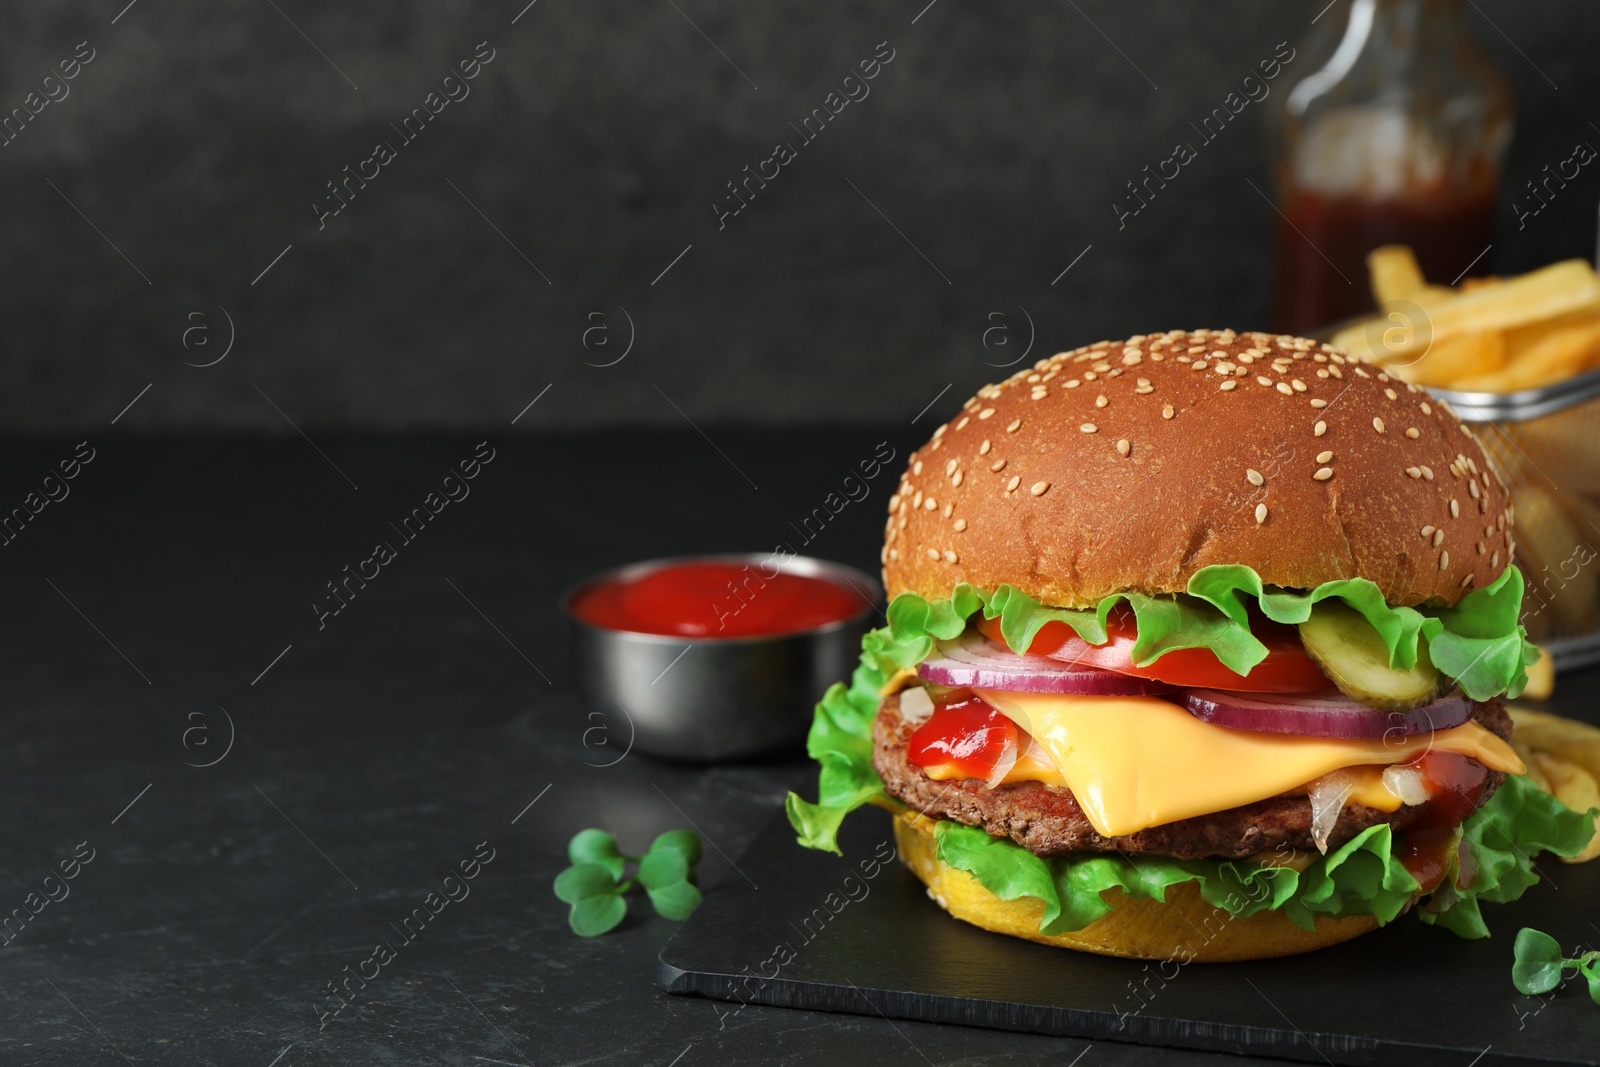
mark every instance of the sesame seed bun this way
{"type": "Point", "coordinates": [1127, 466]}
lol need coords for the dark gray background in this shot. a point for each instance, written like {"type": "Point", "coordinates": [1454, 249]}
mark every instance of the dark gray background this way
{"type": "Point", "coordinates": [596, 142]}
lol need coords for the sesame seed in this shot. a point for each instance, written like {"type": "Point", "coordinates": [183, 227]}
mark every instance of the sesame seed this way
{"type": "Point", "coordinates": [1427, 409]}
{"type": "Point", "coordinates": [1322, 372]}
{"type": "Point", "coordinates": [1073, 383]}
{"type": "Point", "coordinates": [1323, 474]}
{"type": "Point", "coordinates": [1319, 429]}
{"type": "Point", "coordinates": [1088, 427]}
{"type": "Point", "coordinates": [1414, 472]}
{"type": "Point", "coordinates": [1444, 559]}
{"type": "Point", "coordinates": [949, 468]}
{"type": "Point", "coordinates": [1101, 401]}
{"type": "Point", "coordinates": [1318, 402]}
{"type": "Point", "coordinates": [956, 478]}
{"type": "Point", "coordinates": [1336, 372]}
{"type": "Point", "coordinates": [1377, 424]}
{"type": "Point", "coordinates": [1039, 488]}
{"type": "Point", "coordinates": [1427, 531]}
{"type": "Point", "coordinates": [1298, 385]}
{"type": "Point", "coordinates": [1472, 487]}
{"type": "Point", "coordinates": [983, 449]}
{"type": "Point", "coordinates": [962, 425]}
{"type": "Point", "coordinates": [1228, 385]}
{"type": "Point", "coordinates": [1427, 472]}
{"type": "Point", "coordinates": [1391, 394]}
{"type": "Point", "coordinates": [1323, 457]}
{"type": "Point", "coordinates": [1012, 427]}
{"type": "Point", "coordinates": [949, 556]}
{"type": "Point", "coordinates": [916, 468]}
{"type": "Point", "coordinates": [930, 504]}
{"type": "Point", "coordinates": [1254, 476]}
{"type": "Point", "coordinates": [1413, 433]}
{"type": "Point", "coordinates": [1012, 484]}
{"type": "Point", "coordinates": [1438, 538]}
{"type": "Point", "coordinates": [1262, 379]}
{"type": "Point", "coordinates": [1482, 548]}
{"type": "Point", "coordinates": [1283, 387]}
{"type": "Point", "coordinates": [959, 525]}
{"type": "Point", "coordinates": [1455, 508]}
{"type": "Point", "coordinates": [1466, 581]}
{"type": "Point", "coordinates": [986, 413]}
{"type": "Point", "coordinates": [1494, 560]}
{"type": "Point", "coordinates": [1124, 447]}
{"type": "Point", "coordinates": [998, 465]}
{"type": "Point", "coordinates": [1143, 389]}
{"type": "Point", "coordinates": [1261, 514]}
{"type": "Point", "coordinates": [1198, 364]}
{"type": "Point", "coordinates": [1166, 411]}
{"type": "Point", "coordinates": [933, 553]}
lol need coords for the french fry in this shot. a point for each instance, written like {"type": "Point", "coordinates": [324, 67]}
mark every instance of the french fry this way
{"type": "Point", "coordinates": [1572, 740]}
{"type": "Point", "coordinates": [1574, 787]}
{"type": "Point", "coordinates": [1558, 289]}
{"type": "Point", "coordinates": [1535, 772]}
{"type": "Point", "coordinates": [1450, 362]}
{"type": "Point", "coordinates": [1394, 274]}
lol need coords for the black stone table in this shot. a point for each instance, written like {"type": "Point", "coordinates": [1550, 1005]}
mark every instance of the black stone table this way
{"type": "Point", "coordinates": [171, 609]}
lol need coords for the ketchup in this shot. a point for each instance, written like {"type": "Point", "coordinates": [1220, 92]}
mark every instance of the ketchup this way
{"type": "Point", "coordinates": [709, 599]}
{"type": "Point", "coordinates": [1454, 784]}
{"type": "Point", "coordinates": [965, 733]}
{"type": "Point", "coordinates": [1323, 241]}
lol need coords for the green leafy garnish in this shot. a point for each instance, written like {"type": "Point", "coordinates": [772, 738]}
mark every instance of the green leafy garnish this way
{"type": "Point", "coordinates": [595, 888]}
{"type": "Point", "coordinates": [1478, 642]}
{"type": "Point", "coordinates": [1539, 965]}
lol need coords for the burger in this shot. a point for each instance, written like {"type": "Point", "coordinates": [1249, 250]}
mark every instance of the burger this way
{"type": "Point", "coordinates": [1197, 648]}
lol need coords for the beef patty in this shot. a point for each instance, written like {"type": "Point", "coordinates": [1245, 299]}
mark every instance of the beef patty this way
{"type": "Point", "coordinates": [1047, 821]}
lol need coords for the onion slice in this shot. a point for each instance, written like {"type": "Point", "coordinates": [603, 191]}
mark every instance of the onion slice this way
{"type": "Point", "coordinates": [1328, 796]}
{"type": "Point", "coordinates": [1321, 715]}
{"type": "Point", "coordinates": [974, 661]}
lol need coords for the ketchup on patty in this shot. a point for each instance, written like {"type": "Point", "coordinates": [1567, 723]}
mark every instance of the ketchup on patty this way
{"type": "Point", "coordinates": [715, 599]}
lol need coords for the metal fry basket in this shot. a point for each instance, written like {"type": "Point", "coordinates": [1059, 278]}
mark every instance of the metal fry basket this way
{"type": "Point", "coordinates": [1546, 443]}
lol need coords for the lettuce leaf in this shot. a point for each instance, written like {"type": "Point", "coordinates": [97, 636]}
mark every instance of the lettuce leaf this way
{"type": "Point", "coordinates": [1364, 876]}
{"type": "Point", "coordinates": [1478, 642]}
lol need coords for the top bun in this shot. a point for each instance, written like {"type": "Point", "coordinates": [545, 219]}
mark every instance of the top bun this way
{"type": "Point", "coordinates": [1127, 466]}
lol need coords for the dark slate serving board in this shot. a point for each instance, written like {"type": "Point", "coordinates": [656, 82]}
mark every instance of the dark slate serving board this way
{"type": "Point", "coordinates": [1405, 995]}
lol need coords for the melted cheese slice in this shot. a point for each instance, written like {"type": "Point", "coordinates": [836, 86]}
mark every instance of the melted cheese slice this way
{"type": "Point", "coordinates": [1137, 762]}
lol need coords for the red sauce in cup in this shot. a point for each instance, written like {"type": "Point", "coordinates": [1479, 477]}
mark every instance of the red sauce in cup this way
{"type": "Point", "coordinates": [714, 599]}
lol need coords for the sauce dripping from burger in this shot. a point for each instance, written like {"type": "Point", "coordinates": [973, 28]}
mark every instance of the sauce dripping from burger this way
{"type": "Point", "coordinates": [1455, 784]}
{"type": "Point", "coordinates": [715, 599]}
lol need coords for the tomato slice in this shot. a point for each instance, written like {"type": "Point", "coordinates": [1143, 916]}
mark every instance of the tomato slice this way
{"type": "Point", "coordinates": [1287, 668]}
{"type": "Point", "coordinates": [965, 733]}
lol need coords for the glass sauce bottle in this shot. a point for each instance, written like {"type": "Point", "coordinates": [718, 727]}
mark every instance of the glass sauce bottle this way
{"type": "Point", "coordinates": [1397, 137]}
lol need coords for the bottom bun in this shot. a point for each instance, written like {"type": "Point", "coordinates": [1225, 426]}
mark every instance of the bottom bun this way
{"type": "Point", "coordinates": [1183, 928]}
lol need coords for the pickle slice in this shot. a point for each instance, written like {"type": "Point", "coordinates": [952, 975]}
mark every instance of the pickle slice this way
{"type": "Point", "coordinates": [1353, 655]}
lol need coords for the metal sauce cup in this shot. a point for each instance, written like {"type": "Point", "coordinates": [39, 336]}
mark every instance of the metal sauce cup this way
{"type": "Point", "coordinates": [708, 699]}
